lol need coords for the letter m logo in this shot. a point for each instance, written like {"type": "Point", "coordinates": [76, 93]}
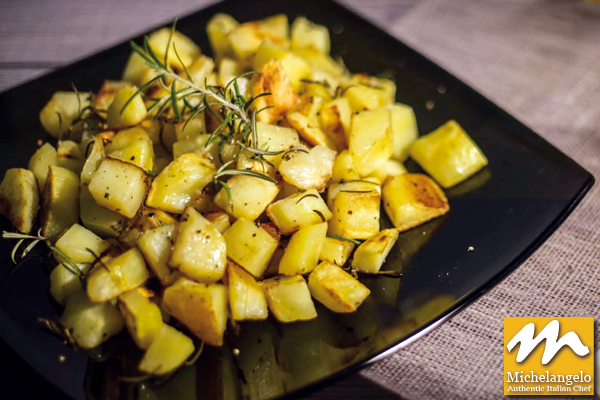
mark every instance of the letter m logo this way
{"type": "Point", "coordinates": [553, 345]}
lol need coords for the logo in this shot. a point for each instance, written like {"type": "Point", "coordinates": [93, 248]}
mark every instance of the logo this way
{"type": "Point", "coordinates": [548, 356]}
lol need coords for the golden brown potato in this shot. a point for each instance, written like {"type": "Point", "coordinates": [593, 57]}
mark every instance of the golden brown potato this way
{"type": "Point", "coordinates": [336, 251]}
{"type": "Point", "coordinates": [370, 142]}
{"type": "Point", "coordinates": [199, 250]}
{"type": "Point", "coordinates": [246, 297]}
{"type": "Point", "coordinates": [44, 157]}
{"type": "Point", "coordinates": [201, 308]}
{"type": "Point", "coordinates": [308, 169]}
{"type": "Point", "coordinates": [135, 112]}
{"type": "Point", "coordinates": [19, 198]}
{"type": "Point", "coordinates": [106, 94]}
{"type": "Point", "coordinates": [283, 97]}
{"type": "Point", "coordinates": [81, 245]}
{"type": "Point", "coordinates": [178, 185]}
{"type": "Point", "coordinates": [120, 186]}
{"type": "Point", "coordinates": [294, 66]}
{"type": "Point", "coordinates": [155, 245]}
{"type": "Point", "coordinates": [217, 29]}
{"type": "Point", "coordinates": [289, 299]}
{"type": "Point", "coordinates": [355, 209]}
{"type": "Point", "coordinates": [336, 289]}
{"type": "Point", "coordinates": [309, 131]}
{"type": "Point", "coordinates": [168, 351]}
{"type": "Point", "coordinates": [142, 317]}
{"type": "Point", "coordinates": [412, 199]}
{"type": "Point", "coordinates": [250, 246]}
{"type": "Point", "coordinates": [60, 202]}
{"type": "Point", "coordinates": [133, 146]}
{"type": "Point", "coordinates": [60, 112]}
{"type": "Point", "coordinates": [306, 34]}
{"type": "Point", "coordinates": [302, 253]}
{"type": "Point", "coordinates": [299, 210]}
{"type": "Point", "coordinates": [370, 256]}
{"type": "Point", "coordinates": [448, 154]}
{"type": "Point", "coordinates": [250, 196]}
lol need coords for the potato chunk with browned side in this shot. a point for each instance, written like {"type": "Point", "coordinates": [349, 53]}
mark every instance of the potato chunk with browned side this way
{"type": "Point", "coordinates": [122, 273]}
{"type": "Point", "coordinates": [302, 252]}
{"type": "Point", "coordinates": [201, 308]}
{"type": "Point", "coordinates": [283, 97]}
{"type": "Point", "coordinates": [200, 250]}
{"type": "Point", "coordinates": [412, 199]}
{"type": "Point", "coordinates": [370, 255]}
{"type": "Point", "coordinates": [289, 299]}
{"type": "Point", "coordinates": [19, 198]}
{"type": "Point", "coordinates": [155, 245]}
{"type": "Point", "coordinates": [250, 196]}
{"type": "Point", "coordinates": [370, 142]}
{"type": "Point", "coordinates": [142, 317]}
{"type": "Point", "coordinates": [91, 324]}
{"type": "Point", "coordinates": [336, 251]}
{"type": "Point", "coordinates": [133, 146]}
{"type": "Point", "coordinates": [355, 208]}
{"type": "Point", "coordinates": [123, 115]}
{"type": "Point", "coordinates": [246, 297]}
{"type": "Point", "coordinates": [336, 289]}
{"type": "Point", "coordinates": [308, 169]}
{"type": "Point", "coordinates": [448, 154]}
{"type": "Point", "coordinates": [178, 185]}
{"type": "Point", "coordinates": [60, 202]}
{"type": "Point", "coordinates": [250, 246]}
{"type": "Point", "coordinates": [297, 211]}
{"type": "Point", "coordinates": [120, 186]}
{"type": "Point", "coordinates": [168, 351]}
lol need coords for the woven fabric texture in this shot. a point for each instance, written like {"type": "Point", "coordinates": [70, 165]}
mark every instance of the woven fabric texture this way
{"type": "Point", "coordinates": [541, 62]}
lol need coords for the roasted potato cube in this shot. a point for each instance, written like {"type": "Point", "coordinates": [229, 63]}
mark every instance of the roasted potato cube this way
{"type": "Point", "coordinates": [412, 199]}
{"type": "Point", "coordinates": [294, 66]}
{"type": "Point", "coordinates": [220, 220]}
{"type": "Point", "coordinates": [306, 34]}
{"type": "Point", "coordinates": [404, 130]}
{"type": "Point", "coordinates": [62, 109]}
{"type": "Point", "coordinates": [168, 351]}
{"type": "Point", "coordinates": [135, 112]}
{"type": "Point", "coordinates": [250, 246]}
{"type": "Point", "coordinates": [200, 71]}
{"type": "Point", "coordinates": [178, 185]}
{"type": "Point", "coordinates": [275, 28]}
{"type": "Point", "coordinates": [336, 289]}
{"type": "Point", "coordinates": [81, 245]}
{"type": "Point", "coordinates": [448, 154]}
{"type": "Point", "coordinates": [106, 94]}
{"type": "Point", "coordinates": [64, 283]}
{"type": "Point", "coordinates": [302, 253]}
{"type": "Point", "coordinates": [276, 138]}
{"type": "Point", "coordinates": [94, 155]}
{"type": "Point", "coordinates": [228, 70]}
{"type": "Point", "coordinates": [244, 40]}
{"type": "Point", "coordinates": [195, 127]}
{"type": "Point", "coordinates": [142, 317]}
{"type": "Point", "coordinates": [321, 62]}
{"type": "Point", "coordinates": [362, 97]}
{"type": "Point", "coordinates": [297, 211]}
{"type": "Point", "coordinates": [335, 118]}
{"type": "Point", "coordinates": [135, 68]}
{"type": "Point", "coordinates": [336, 251]}
{"type": "Point", "coordinates": [309, 131]}
{"type": "Point", "coordinates": [119, 275]}
{"type": "Point", "coordinates": [101, 221]}
{"type": "Point", "coordinates": [199, 251]}
{"type": "Point", "coordinates": [250, 196]}
{"type": "Point", "coordinates": [187, 50]}
{"type": "Point", "coordinates": [308, 170]}
{"type": "Point", "coordinates": [343, 168]}
{"type": "Point", "coordinates": [355, 213]}
{"type": "Point", "coordinates": [149, 219]}
{"type": "Point", "coordinates": [283, 97]}
{"type": "Point", "coordinates": [60, 202]}
{"type": "Point", "coordinates": [201, 308]}
{"type": "Point", "coordinates": [246, 297]}
{"type": "Point", "coordinates": [204, 204]}
{"type": "Point", "coordinates": [198, 146]}
{"type": "Point", "coordinates": [367, 186]}
{"type": "Point", "coordinates": [388, 169]}
{"type": "Point", "coordinates": [19, 198]}
{"type": "Point", "coordinates": [217, 30]}
{"type": "Point", "coordinates": [370, 255]}
{"type": "Point", "coordinates": [69, 156]}
{"type": "Point", "coordinates": [386, 86]}
{"type": "Point", "coordinates": [120, 186]}
{"type": "Point", "coordinates": [289, 299]}
{"type": "Point", "coordinates": [155, 245]}
{"type": "Point", "coordinates": [132, 146]}
{"type": "Point", "coordinates": [370, 143]}
{"type": "Point", "coordinates": [44, 157]}
{"type": "Point", "coordinates": [91, 324]}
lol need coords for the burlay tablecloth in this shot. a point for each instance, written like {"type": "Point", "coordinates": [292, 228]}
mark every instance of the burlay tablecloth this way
{"type": "Point", "coordinates": [540, 60]}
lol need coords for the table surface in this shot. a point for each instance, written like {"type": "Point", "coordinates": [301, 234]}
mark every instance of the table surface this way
{"type": "Point", "coordinates": [537, 59]}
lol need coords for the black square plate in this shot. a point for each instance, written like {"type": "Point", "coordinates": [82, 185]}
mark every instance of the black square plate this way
{"type": "Point", "coordinates": [504, 212]}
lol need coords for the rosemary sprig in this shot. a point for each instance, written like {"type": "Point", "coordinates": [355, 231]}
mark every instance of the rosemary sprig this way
{"type": "Point", "coordinates": [67, 262]}
{"type": "Point", "coordinates": [356, 242]}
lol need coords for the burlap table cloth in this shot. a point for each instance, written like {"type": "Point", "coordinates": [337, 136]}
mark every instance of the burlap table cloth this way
{"type": "Point", "coordinates": [540, 60]}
